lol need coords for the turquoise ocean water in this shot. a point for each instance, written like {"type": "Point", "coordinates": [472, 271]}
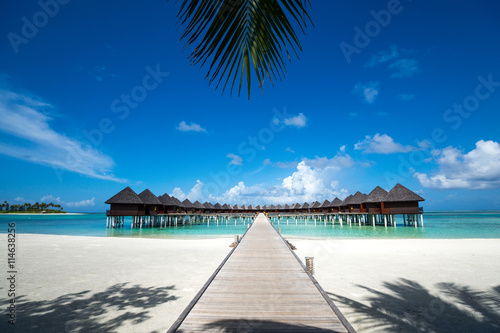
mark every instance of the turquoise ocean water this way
{"type": "Point", "coordinates": [453, 225]}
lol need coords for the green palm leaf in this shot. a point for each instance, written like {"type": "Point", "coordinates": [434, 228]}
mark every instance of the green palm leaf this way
{"type": "Point", "coordinates": [242, 38]}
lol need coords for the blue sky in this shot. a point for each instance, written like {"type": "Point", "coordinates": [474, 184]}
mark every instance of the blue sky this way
{"type": "Point", "coordinates": [98, 96]}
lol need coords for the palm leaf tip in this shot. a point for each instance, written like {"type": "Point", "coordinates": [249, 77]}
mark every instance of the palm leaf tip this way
{"type": "Point", "coordinates": [232, 36]}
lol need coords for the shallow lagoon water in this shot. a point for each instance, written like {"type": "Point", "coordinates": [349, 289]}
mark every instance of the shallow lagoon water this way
{"type": "Point", "coordinates": [437, 225]}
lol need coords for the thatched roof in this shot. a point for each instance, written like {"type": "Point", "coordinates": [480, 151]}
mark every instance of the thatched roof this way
{"type": "Point", "coordinates": [335, 202]}
{"type": "Point", "coordinates": [279, 207]}
{"type": "Point", "coordinates": [401, 193]}
{"type": "Point", "coordinates": [251, 207]}
{"type": "Point", "coordinates": [244, 207]}
{"type": "Point", "coordinates": [264, 207]}
{"type": "Point", "coordinates": [377, 195]}
{"type": "Point", "coordinates": [148, 198]}
{"type": "Point", "coordinates": [315, 205]}
{"type": "Point", "coordinates": [305, 205]}
{"type": "Point", "coordinates": [217, 206]}
{"type": "Point", "coordinates": [125, 196]}
{"type": "Point", "coordinates": [258, 207]}
{"type": "Point", "coordinates": [206, 204]}
{"type": "Point", "coordinates": [286, 206]}
{"type": "Point", "coordinates": [177, 202]}
{"type": "Point", "coordinates": [198, 205]}
{"type": "Point", "coordinates": [188, 204]}
{"type": "Point", "coordinates": [272, 207]}
{"type": "Point", "coordinates": [325, 204]}
{"type": "Point", "coordinates": [358, 198]}
{"type": "Point", "coordinates": [166, 200]}
{"type": "Point", "coordinates": [347, 200]}
{"type": "Point", "coordinates": [226, 206]}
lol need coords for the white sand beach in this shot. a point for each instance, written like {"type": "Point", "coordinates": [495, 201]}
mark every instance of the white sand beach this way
{"type": "Point", "coordinates": [80, 284]}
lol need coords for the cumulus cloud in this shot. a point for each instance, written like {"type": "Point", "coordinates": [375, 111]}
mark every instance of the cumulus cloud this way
{"type": "Point", "coordinates": [382, 144]}
{"type": "Point", "coordinates": [297, 121]}
{"type": "Point", "coordinates": [82, 203]}
{"type": "Point", "coordinates": [177, 192]}
{"type": "Point", "coordinates": [368, 91]}
{"type": "Point", "coordinates": [477, 169]}
{"type": "Point", "coordinates": [383, 56]}
{"type": "Point", "coordinates": [404, 68]}
{"type": "Point", "coordinates": [26, 120]}
{"type": "Point", "coordinates": [196, 192]}
{"type": "Point", "coordinates": [235, 159]}
{"type": "Point", "coordinates": [290, 150]}
{"type": "Point", "coordinates": [400, 67]}
{"type": "Point", "coordinates": [70, 204]}
{"type": "Point", "coordinates": [193, 127]}
{"type": "Point", "coordinates": [20, 199]}
{"type": "Point", "coordinates": [313, 179]}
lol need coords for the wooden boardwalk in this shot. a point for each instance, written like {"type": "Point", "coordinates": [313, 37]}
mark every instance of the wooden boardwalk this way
{"type": "Point", "coordinates": [261, 286]}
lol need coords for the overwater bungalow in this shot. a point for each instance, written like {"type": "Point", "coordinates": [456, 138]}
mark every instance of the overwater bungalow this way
{"type": "Point", "coordinates": [323, 207]}
{"type": "Point", "coordinates": [188, 206]}
{"type": "Point", "coordinates": [218, 207]}
{"type": "Point", "coordinates": [179, 206]}
{"type": "Point", "coordinates": [126, 203]}
{"type": "Point", "coordinates": [152, 203]}
{"type": "Point", "coordinates": [304, 208]}
{"type": "Point", "coordinates": [355, 204]}
{"type": "Point", "coordinates": [314, 207]}
{"type": "Point", "coordinates": [199, 208]}
{"type": "Point", "coordinates": [170, 206]}
{"type": "Point", "coordinates": [401, 200]}
{"type": "Point", "coordinates": [334, 206]}
{"type": "Point", "coordinates": [374, 199]}
{"type": "Point", "coordinates": [344, 205]}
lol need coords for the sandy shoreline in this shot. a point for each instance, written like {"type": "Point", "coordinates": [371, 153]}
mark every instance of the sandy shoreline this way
{"type": "Point", "coordinates": [72, 284]}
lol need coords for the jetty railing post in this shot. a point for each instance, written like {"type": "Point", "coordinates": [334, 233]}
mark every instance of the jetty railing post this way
{"type": "Point", "coordinates": [310, 265]}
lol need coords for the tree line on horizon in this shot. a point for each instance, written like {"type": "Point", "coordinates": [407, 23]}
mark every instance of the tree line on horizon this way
{"type": "Point", "coordinates": [27, 207]}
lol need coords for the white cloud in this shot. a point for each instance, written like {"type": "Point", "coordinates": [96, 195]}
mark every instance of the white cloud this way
{"type": "Point", "coordinates": [196, 192]}
{"type": "Point", "coordinates": [368, 91]}
{"type": "Point", "coordinates": [51, 198]}
{"type": "Point", "coordinates": [382, 144]}
{"type": "Point", "coordinates": [477, 169]}
{"type": "Point", "coordinates": [313, 179]}
{"type": "Point", "coordinates": [183, 127]}
{"type": "Point", "coordinates": [76, 204]}
{"type": "Point", "coordinates": [20, 199]}
{"type": "Point", "coordinates": [82, 203]}
{"type": "Point", "coordinates": [235, 159]}
{"type": "Point", "coordinates": [297, 121]}
{"type": "Point", "coordinates": [25, 119]}
{"type": "Point", "coordinates": [383, 56]}
{"type": "Point", "coordinates": [404, 68]}
{"type": "Point", "coordinates": [400, 67]}
{"type": "Point", "coordinates": [288, 149]}
{"type": "Point", "coordinates": [177, 192]}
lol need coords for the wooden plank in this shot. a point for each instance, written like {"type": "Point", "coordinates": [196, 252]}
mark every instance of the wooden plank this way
{"type": "Point", "coordinates": [261, 286]}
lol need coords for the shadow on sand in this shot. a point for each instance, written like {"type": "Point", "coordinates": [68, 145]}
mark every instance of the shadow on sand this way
{"type": "Point", "coordinates": [79, 312]}
{"type": "Point", "coordinates": [409, 307]}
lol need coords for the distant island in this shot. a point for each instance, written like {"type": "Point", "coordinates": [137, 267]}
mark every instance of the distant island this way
{"type": "Point", "coordinates": [28, 208]}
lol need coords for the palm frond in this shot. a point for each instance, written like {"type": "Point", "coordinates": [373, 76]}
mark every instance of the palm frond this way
{"type": "Point", "coordinates": [242, 38]}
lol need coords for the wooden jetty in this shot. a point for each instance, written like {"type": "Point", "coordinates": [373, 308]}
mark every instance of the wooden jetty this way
{"type": "Point", "coordinates": [261, 286]}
